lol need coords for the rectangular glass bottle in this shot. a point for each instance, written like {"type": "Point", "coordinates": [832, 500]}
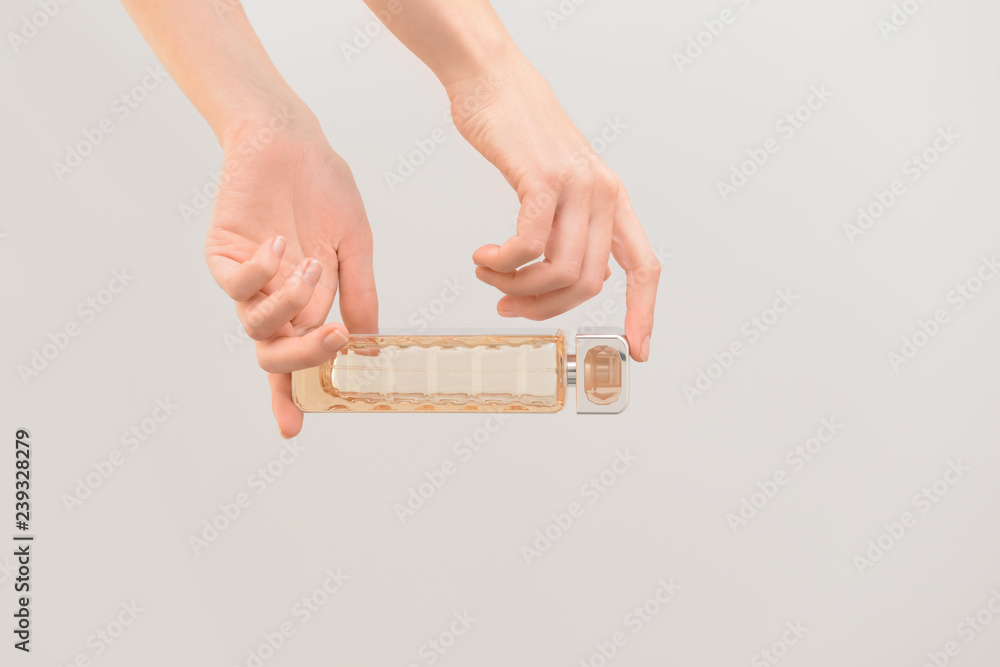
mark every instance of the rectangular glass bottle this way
{"type": "Point", "coordinates": [468, 372]}
{"type": "Point", "coordinates": [438, 372]}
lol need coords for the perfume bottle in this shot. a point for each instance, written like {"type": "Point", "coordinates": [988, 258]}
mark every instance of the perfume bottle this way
{"type": "Point", "coordinates": [468, 372]}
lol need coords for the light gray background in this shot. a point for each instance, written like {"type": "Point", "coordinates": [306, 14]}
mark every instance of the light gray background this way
{"type": "Point", "coordinates": [169, 335]}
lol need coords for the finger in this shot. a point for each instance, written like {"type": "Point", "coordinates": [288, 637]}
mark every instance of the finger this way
{"type": "Point", "coordinates": [263, 316]}
{"type": "Point", "coordinates": [358, 298]}
{"type": "Point", "coordinates": [534, 222]}
{"type": "Point", "coordinates": [241, 280]}
{"type": "Point", "coordinates": [323, 296]}
{"type": "Point", "coordinates": [564, 251]}
{"type": "Point", "coordinates": [284, 354]}
{"type": "Point", "coordinates": [592, 272]}
{"type": "Point", "coordinates": [633, 253]}
{"type": "Point", "coordinates": [287, 414]}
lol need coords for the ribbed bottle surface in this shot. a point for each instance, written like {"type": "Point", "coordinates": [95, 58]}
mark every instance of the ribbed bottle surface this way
{"type": "Point", "coordinates": [443, 373]}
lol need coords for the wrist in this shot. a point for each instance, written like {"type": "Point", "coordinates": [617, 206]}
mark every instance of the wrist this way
{"type": "Point", "coordinates": [479, 58]}
{"type": "Point", "coordinates": [489, 75]}
{"type": "Point", "coordinates": [509, 77]}
{"type": "Point", "coordinates": [258, 122]}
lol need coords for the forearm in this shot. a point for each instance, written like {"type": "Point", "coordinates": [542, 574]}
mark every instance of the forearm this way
{"type": "Point", "coordinates": [457, 39]}
{"type": "Point", "coordinates": [213, 54]}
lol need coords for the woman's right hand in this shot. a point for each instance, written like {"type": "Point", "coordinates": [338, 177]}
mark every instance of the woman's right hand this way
{"type": "Point", "coordinates": [288, 231]}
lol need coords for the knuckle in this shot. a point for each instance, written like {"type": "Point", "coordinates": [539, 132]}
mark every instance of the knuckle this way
{"type": "Point", "coordinates": [534, 248]}
{"type": "Point", "coordinates": [255, 270]}
{"type": "Point", "coordinates": [591, 286]}
{"type": "Point", "coordinates": [234, 292]}
{"type": "Point", "coordinates": [587, 180]}
{"type": "Point", "coordinates": [232, 287]}
{"type": "Point", "coordinates": [264, 359]}
{"type": "Point", "coordinates": [608, 184]}
{"type": "Point", "coordinates": [298, 299]}
{"type": "Point", "coordinates": [254, 329]}
{"type": "Point", "coordinates": [566, 275]}
{"type": "Point", "coordinates": [622, 190]}
{"type": "Point", "coordinates": [295, 295]}
{"type": "Point", "coordinates": [498, 283]}
{"type": "Point", "coordinates": [545, 185]}
{"type": "Point", "coordinates": [645, 274]}
{"type": "Point", "coordinates": [654, 269]}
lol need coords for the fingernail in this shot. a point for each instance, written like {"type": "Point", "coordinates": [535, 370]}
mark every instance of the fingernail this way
{"type": "Point", "coordinates": [644, 350]}
{"type": "Point", "coordinates": [312, 273]}
{"type": "Point", "coordinates": [334, 340]}
{"type": "Point", "coordinates": [278, 245]}
{"type": "Point", "coordinates": [505, 312]}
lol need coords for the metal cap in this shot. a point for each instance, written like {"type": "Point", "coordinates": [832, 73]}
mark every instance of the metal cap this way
{"type": "Point", "coordinates": [599, 369]}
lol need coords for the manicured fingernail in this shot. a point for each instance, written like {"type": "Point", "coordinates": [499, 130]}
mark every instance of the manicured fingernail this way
{"type": "Point", "coordinates": [334, 340]}
{"type": "Point", "coordinates": [278, 245]}
{"type": "Point", "coordinates": [644, 350]}
{"type": "Point", "coordinates": [503, 311]}
{"type": "Point", "coordinates": [312, 273]}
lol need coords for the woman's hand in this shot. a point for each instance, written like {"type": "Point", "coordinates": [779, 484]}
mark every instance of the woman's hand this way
{"type": "Point", "coordinates": [574, 209]}
{"type": "Point", "coordinates": [288, 231]}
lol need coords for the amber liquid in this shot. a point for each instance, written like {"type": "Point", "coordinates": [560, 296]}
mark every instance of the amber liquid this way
{"type": "Point", "coordinates": [438, 373]}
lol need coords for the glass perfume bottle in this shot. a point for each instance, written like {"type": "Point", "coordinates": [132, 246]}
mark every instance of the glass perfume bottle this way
{"type": "Point", "coordinates": [468, 372]}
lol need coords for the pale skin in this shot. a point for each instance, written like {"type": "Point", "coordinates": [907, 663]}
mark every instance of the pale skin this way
{"type": "Point", "coordinates": [289, 230]}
